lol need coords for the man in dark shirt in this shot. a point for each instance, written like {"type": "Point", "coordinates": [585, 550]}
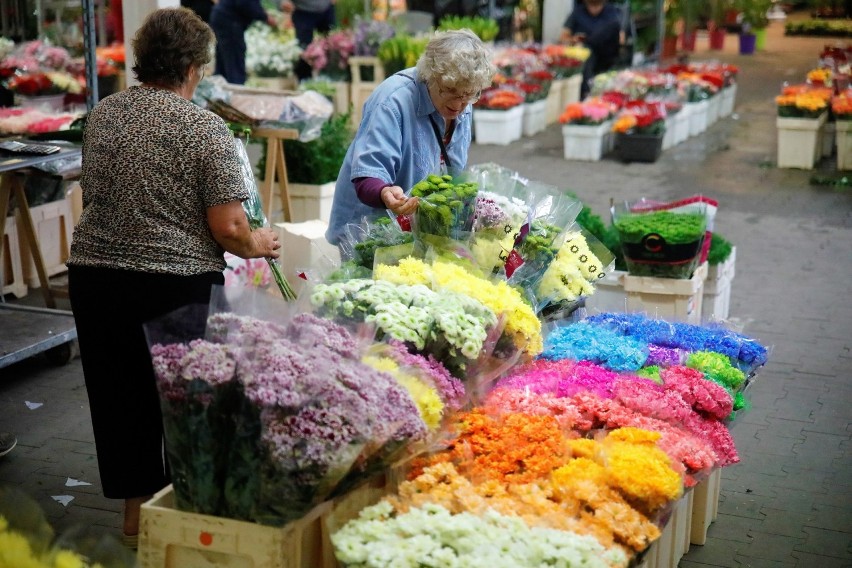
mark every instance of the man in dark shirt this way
{"type": "Point", "coordinates": [200, 7]}
{"type": "Point", "coordinates": [597, 25]}
{"type": "Point", "coordinates": [230, 19]}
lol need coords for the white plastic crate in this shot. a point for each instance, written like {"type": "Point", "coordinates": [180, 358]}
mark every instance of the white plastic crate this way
{"type": "Point", "coordinates": [307, 201]}
{"type": "Point", "coordinates": [843, 132]}
{"type": "Point", "coordinates": [714, 107]}
{"type": "Point", "coordinates": [667, 298]}
{"type": "Point", "coordinates": [729, 97]}
{"type": "Point", "coordinates": [571, 89]}
{"type": "Point", "coordinates": [682, 124]}
{"type": "Point", "coordinates": [586, 143]}
{"type": "Point", "coordinates": [799, 141]}
{"type": "Point", "coordinates": [698, 117]}
{"type": "Point", "coordinates": [829, 135]}
{"type": "Point", "coordinates": [669, 136]}
{"type": "Point", "coordinates": [717, 289]}
{"type": "Point", "coordinates": [501, 127]}
{"type": "Point", "coordinates": [553, 104]}
{"type": "Point", "coordinates": [535, 117]}
{"type": "Point", "coordinates": [705, 506]}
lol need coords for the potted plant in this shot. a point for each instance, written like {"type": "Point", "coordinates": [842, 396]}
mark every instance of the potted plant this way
{"type": "Point", "coordinates": [689, 15]}
{"type": "Point", "coordinates": [716, 23]}
{"type": "Point", "coordinates": [639, 131]}
{"type": "Point", "coordinates": [754, 22]}
{"type": "Point", "coordinates": [498, 116]}
{"type": "Point", "coordinates": [802, 111]}
{"type": "Point", "coordinates": [671, 19]}
{"type": "Point", "coordinates": [313, 167]}
{"type": "Point", "coordinates": [841, 107]}
{"type": "Point", "coordinates": [586, 126]}
{"type": "Point", "coordinates": [329, 55]}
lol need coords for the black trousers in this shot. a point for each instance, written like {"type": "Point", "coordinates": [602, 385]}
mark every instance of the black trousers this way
{"type": "Point", "coordinates": [110, 308]}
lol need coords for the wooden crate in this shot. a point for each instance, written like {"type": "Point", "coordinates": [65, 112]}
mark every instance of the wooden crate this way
{"type": "Point", "coordinates": [53, 226]}
{"type": "Point", "coordinates": [169, 538]}
{"type": "Point", "coordinates": [12, 271]}
{"type": "Point", "coordinates": [361, 90]}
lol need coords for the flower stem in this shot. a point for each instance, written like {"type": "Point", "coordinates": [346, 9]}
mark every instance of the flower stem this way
{"type": "Point", "coordinates": [283, 285]}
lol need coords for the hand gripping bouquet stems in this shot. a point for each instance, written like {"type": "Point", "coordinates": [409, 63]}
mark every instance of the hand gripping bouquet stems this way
{"type": "Point", "coordinates": [257, 219]}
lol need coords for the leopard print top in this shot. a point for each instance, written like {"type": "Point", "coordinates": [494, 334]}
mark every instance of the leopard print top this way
{"type": "Point", "coordinates": [153, 162]}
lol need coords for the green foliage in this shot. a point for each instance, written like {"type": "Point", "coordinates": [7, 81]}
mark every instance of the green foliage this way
{"type": "Point", "coordinates": [486, 29]}
{"type": "Point", "coordinates": [754, 12]}
{"type": "Point", "coordinates": [322, 86]}
{"type": "Point", "coordinates": [826, 28]}
{"type": "Point", "coordinates": [445, 208]}
{"type": "Point", "coordinates": [347, 10]}
{"type": "Point", "coordinates": [675, 228]}
{"type": "Point", "coordinates": [401, 52]}
{"type": "Point", "coordinates": [720, 249]}
{"type": "Point", "coordinates": [319, 161]}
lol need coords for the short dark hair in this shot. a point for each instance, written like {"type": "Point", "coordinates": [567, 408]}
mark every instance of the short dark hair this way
{"type": "Point", "coordinates": [169, 42]}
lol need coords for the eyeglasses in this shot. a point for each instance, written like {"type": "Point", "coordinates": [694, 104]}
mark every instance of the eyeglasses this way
{"type": "Point", "coordinates": [451, 95]}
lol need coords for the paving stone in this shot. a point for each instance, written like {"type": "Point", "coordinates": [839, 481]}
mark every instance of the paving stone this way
{"type": "Point", "coordinates": [716, 552]}
{"type": "Point", "coordinates": [783, 428]}
{"type": "Point", "coordinates": [827, 543]}
{"type": "Point", "coordinates": [733, 528]}
{"type": "Point", "coordinates": [747, 562]}
{"type": "Point", "coordinates": [754, 483]}
{"type": "Point", "coordinates": [741, 505]}
{"type": "Point", "coordinates": [807, 560]}
{"type": "Point", "coordinates": [830, 518]}
{"type": "Point", "coordinates": [785, 523]}
{"type": "Point", "coordinates": [768, 546]}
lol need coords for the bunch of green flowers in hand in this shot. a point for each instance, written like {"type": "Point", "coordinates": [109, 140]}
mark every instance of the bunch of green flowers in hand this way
{"type": "Point", "coordinates": [445, 209]}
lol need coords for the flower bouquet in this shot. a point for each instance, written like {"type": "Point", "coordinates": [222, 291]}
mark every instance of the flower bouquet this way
{"type": "Point", "coordinates": [401, 52]}
{"type": "Point", "coordinates": [370, 35]}
{"type": "Point", "coordinates": [591, 112]}
{"type": "Point", "coordinates": [271, 52]}
{"type": "Point", "coordinates": [484, 28]}
{"type": "Point", "coordinates": [660, 243]}
{"type": "Point", "coordinates": [639, 130]}
{"type": "Point", "coordinates": [360, 242]}
{"type": "Point", "coordinates": [446, 208]}
{"type": "Point", "coordinates": [560, 63]}
{"type": "Point", "coordinates": [500, 98]}
{"type": "Point", "coordinates": [447, 325]}
{"type": "Point", "coordinates": [329, 55]}
{"type": "Point", "coordinates": [803, 103]}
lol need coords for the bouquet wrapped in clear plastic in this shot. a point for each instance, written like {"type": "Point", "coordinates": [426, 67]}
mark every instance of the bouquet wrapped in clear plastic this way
{"type": "Point", "coordinates": [446, 208]}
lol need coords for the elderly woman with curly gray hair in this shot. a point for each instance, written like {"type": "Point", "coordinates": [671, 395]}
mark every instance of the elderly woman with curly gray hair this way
{"type": "Point", "coordinates": [416, 123]}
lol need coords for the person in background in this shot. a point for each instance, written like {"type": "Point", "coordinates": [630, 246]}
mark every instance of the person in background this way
{"type": "Point", "coordinates": [201, 7]}
{"type": "Point", "coordinates": [162, 193]}
{"type": "Point", "coordinates": [417, 122]}
{"type": "Point", "coordinates": [230, 19]}
{"type": "Point", "coordinates": [309, 16]}
{"type": "Point", "coordinates": [597, 25]}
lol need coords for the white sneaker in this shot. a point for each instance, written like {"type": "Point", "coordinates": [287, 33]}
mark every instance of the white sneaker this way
{"type": "Point", "coordinates": [7, 443]}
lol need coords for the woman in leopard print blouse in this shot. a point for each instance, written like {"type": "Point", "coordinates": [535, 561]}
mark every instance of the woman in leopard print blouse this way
{"type": "Point", "coordinates": [162, 195]}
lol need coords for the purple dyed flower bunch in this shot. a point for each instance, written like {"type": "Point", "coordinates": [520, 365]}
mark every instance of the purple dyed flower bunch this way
{"type": "Point", "coordinates": [370, 34]}
{"type": "Point", "coordinates": [301, 415]}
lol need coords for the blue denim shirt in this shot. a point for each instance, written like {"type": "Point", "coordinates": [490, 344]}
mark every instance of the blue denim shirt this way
{"type": "Point", "coordinates": [395, 143]}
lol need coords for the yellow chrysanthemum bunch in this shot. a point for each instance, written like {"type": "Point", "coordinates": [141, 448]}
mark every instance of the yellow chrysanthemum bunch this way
{"type": "Point", "coordinates": [569, 275]}
{"type": "Point", "coordinates": [16, 552]}
{"type": "Point", "coordinates": [521, 321]}
{"type": "Point", "coordinates": [426, 398]}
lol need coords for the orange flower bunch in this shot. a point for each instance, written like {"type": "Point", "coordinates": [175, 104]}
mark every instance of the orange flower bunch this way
{"type": "Point", "coordinates": [591, 111]}
{"type": "Point", "coordinates": [819, 76]}
{"type": "Point", "coordinates": [841, 105]}
{"type": "Point", "coordinates": [515, 448]}
{"type": "Point", "coordinates": [806, 104]}
{"type": "Point", "coordinates": [824, 93]}
{"type": "Point", "coordinates": [500, 99]}
{"type": "Point", "coordinates": [624, 123]}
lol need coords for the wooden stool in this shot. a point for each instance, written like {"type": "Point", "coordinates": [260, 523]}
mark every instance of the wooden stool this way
{"type": "Point", "coordinates": [275, 164]}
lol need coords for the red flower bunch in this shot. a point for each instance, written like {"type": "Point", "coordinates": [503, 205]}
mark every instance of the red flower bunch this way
{"type": "Point", "coordinates": [615, 98]}
{"type": "Point", "coordinates": [500, 98]}
{"type": "Point", "coordinates": [33, 84]}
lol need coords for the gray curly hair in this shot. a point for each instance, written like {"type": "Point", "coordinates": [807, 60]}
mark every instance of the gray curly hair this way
{"type": "Point", "coordinates": [459, 59]}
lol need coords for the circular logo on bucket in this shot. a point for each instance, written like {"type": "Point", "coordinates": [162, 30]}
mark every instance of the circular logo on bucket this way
{"type": "Point", "coordinates": [653, 242]}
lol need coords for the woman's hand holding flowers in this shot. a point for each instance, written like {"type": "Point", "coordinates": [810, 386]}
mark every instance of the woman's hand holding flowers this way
{"type": "Point", "coordinates": [395, 199]}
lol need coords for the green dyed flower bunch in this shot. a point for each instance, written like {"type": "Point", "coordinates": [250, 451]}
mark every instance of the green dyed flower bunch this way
{"type": "Point", "coordinates": [661, 244]}
{"type": "Point", "coordinates": [446, 208]}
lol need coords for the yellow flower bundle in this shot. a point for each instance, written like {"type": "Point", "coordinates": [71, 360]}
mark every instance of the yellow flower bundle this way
{"type": "Point", "coordinates": [426, 398]}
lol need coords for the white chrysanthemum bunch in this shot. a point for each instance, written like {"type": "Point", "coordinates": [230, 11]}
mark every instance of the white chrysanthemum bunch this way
{"type": "Point", "coordinates": [271, 52]}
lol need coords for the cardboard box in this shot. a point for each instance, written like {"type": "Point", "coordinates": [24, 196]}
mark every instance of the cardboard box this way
{"type": "Point", "coordinates": [667, 298]}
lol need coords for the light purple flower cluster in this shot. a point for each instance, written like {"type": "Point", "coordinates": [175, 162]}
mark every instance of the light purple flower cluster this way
{"type": "Point", "coordinates": [489, 214]}
{"type": "Point", "coordinates": [369, 35]}
{"type": "Point", "coordinates": [450, 389]}
{"type": "Point", "coordinates": [664, 356]}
